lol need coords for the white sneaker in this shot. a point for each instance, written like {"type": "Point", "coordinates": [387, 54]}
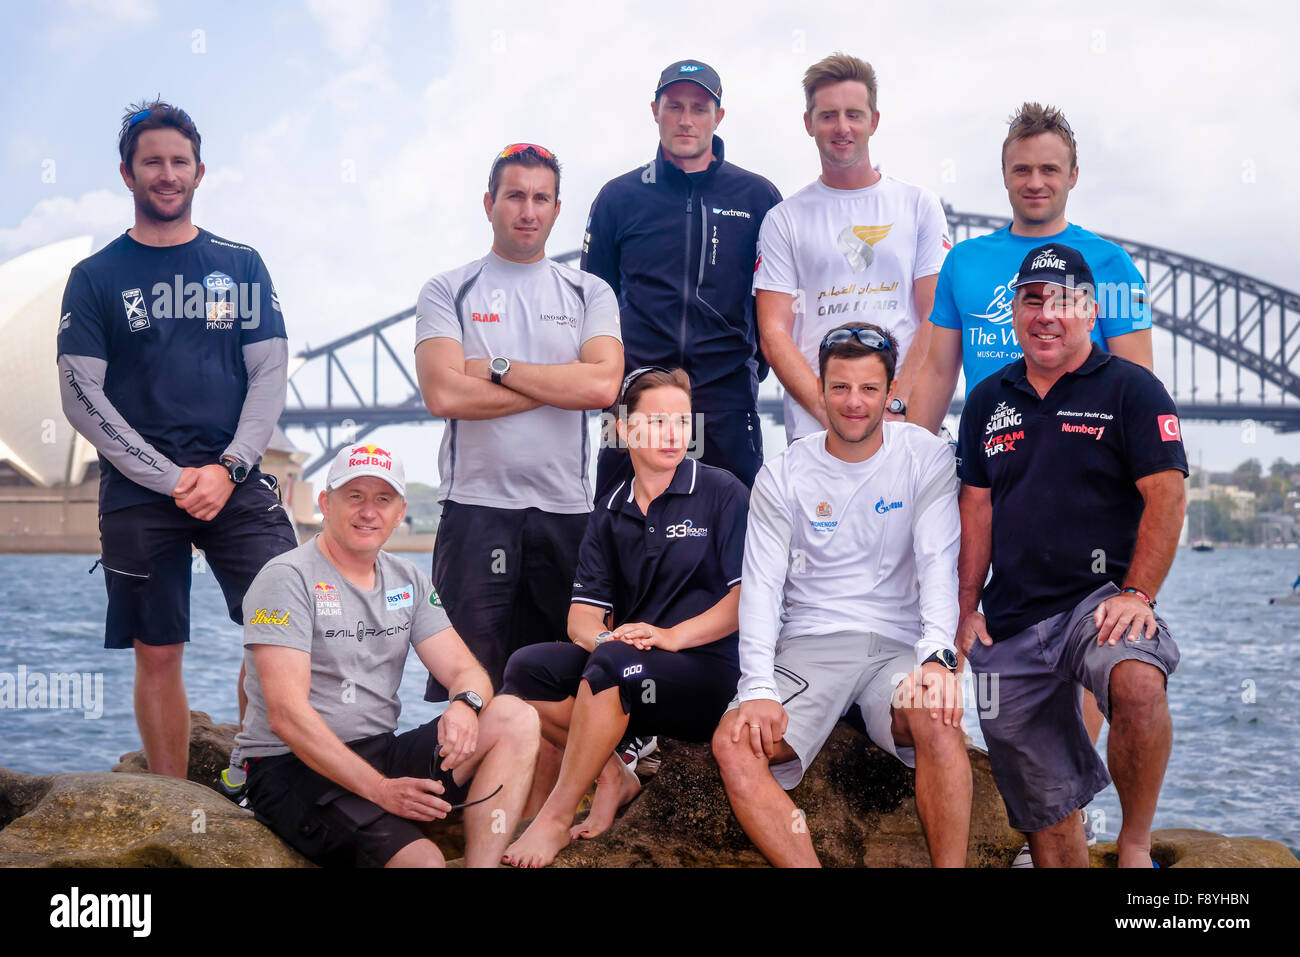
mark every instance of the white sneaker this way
{"type": "Point", "coordinates": [1023, 859]}
{"type": "Point", "coordinates": [1087, 828]}
{"type": "Point", "coordinates": [633, 749]}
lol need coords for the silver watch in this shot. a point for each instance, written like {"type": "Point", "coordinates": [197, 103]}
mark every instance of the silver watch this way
{"type": "Point", "coordinates": [603, 637]}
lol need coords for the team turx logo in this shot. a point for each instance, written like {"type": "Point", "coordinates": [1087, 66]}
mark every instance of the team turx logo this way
{"type": "Point", "coordinates": [1001, 434]}
{"type": "Point", "coordinates": [857, 244]}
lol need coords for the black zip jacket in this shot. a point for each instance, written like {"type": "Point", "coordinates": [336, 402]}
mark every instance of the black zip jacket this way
{"type": "Point", "coordinates": [679, 251]}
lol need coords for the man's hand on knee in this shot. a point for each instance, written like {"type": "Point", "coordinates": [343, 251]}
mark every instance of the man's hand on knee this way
{"type": "Point", "coordinates": [761, 723]}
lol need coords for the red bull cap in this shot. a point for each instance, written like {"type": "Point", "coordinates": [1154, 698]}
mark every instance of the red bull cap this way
{"type": "Point", "coordinates": [360, 459]}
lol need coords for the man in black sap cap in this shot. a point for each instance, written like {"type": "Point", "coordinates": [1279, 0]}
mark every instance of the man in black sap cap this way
{"type": "Point", "coordinates": [1072, 467]}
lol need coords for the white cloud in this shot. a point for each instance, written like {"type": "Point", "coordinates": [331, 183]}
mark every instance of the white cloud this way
{"type": "Point", "coordinates": [350, 26]}
{"type": "Point", "coordinates": [101, 213]}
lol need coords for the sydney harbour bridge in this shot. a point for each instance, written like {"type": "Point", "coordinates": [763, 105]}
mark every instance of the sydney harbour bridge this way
{"type": "Point", "coordinates": [1226, 347]}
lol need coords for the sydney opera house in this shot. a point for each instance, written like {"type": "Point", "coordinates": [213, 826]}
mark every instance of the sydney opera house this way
{"type": "Point", "coordinates": [49, 474]}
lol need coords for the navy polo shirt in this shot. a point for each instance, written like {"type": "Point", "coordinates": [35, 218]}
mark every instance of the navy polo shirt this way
{"type": "Point", "coordinates": [171, 322]}
{"type": "Point", "coordinates": [1062, 473]}
{"type": "Point", "coordinates": [673, 563]}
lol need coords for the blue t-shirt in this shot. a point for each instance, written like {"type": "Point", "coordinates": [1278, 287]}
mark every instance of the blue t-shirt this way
{"type": "Point", "coordinates": [171, 322]}
{"type": "Point", "coordinates": [973, 294]}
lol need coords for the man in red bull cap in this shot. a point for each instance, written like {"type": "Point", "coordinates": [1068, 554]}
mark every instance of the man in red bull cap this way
{"type": "Point", "coordinates": [326, 771]}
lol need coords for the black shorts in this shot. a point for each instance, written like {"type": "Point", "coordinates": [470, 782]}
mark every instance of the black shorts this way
{"type": "Point", "coordinates": [732, 441]}
{"type": "Point", "coordinates": [679, 694]}
{"type": "Point", "coordinates": [145, 551]}
{"type": "Point", "coordinates": [504, 576]}
{"type": "Point", "coordinates": [331, 826]}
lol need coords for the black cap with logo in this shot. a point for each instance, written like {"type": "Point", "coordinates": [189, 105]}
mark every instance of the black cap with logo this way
{"type": "Point", "coordinates": [696, 71]}
{"type": "Point", "coordinates": [1057, 264]}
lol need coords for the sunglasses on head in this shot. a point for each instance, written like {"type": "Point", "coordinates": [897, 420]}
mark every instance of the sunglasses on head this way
{"type": "Point", "coordinates": [1021, 121]}
{"type": "Point", "coordinates": [868, 337]}
{"type": "Point", "coordinates": [145, 114]}
{"type": "Point", "coordinates": [516, 148]}
{"type": "Point", "coordinates": [636, 374]}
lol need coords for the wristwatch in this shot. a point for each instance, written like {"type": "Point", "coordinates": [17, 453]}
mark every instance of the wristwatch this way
{"type": "Point", "coordinates": [944, 656]}
{"type": "Point", "coordinates": [603, 637]}
{"type": "Point", "coordinates": [472, 699]}
{"type": "Point", "coordinates": [896, 406]}
{"type": "Point", "coordinates": [238, 470]}
{"type": "Point", "coordinates": [499, 366]}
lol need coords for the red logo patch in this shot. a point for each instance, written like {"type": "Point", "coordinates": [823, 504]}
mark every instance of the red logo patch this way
{"type": "Point", "coordinates": [1169, 431]}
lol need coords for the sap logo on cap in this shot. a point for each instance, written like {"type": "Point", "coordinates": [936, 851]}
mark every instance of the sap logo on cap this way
{"type": "Point", "coordinates": [398, 597]}
{"type": "Point", "coordinates": [688, 68]}
{"type": "Point", "coordinates": [218, 281]}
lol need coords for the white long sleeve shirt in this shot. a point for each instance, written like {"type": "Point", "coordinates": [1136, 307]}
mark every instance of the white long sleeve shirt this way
{"type": "Point", "coordinates": [836, 546]}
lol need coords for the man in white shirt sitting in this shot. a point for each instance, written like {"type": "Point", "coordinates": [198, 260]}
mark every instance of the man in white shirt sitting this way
{"type": "Point", "coordinates": [849, 597]}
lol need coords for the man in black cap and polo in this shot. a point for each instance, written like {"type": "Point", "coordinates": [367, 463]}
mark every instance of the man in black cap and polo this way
{"type": "Point", "coordinates": [676, 239]}
{"type": "Point", "coordinates": [1072, 468]}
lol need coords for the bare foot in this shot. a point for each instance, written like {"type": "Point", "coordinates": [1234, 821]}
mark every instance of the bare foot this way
{"type": "Point", "coordinates": [616, 786]}
{"type": "Point", "coordinates": [538, 845]}
{"type": "Point", "coordinates": [1133, 856]}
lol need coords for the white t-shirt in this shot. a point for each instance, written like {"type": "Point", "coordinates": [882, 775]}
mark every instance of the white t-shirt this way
{"type": "Point", "coordinates": [538, 312]}
{"type": "Point", "coordinates": [847, 254]}
{"type": "Point", "coordinates": [835, 546]}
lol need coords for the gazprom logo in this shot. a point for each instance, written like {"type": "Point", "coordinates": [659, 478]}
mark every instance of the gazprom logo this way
{"type": "Point", "coordinates": [688, 68]}
{"type": "Point", "coordinates": [882, 506]}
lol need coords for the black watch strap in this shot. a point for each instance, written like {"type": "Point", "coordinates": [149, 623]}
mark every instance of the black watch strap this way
{"type": "Point", "coordinates": [236, 469]}
{"type": "Point", "coordinates": [470, 698]}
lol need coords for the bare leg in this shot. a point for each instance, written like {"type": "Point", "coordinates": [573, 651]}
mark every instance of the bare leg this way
{"type": "Point", "coordinates": [763, 809]}
{"type": "Point", "coordinates": [506, 756]}
{"type": "Point", "coordinates": [162, 710]}
{"type": "Point", "coordinates": [555, 717]}
{"type": "Point", "coordinates": [1092, 716]}
{"type": "Point", "coordinates": [240, 695]}
{"type": "Point", "coordinates": [421, 853]}
{"type": "Point", "coordinates": [597, 727]}
{"type": "Point", "coordinates": [1141, 736]}
{"type": "Point", "coordinates": [943, 782]}
{"type": "Point", "coordinates": [616, 786]}
{"type": "Point", "coordinates": [1062, 844]}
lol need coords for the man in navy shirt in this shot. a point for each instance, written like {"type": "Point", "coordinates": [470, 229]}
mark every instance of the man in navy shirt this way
{"type": "Point", "coordinates": [1072, 468]}
{"type": "Point", "coordinates": [676, 240]}
{"type": "Point", "coordinates": [172, 358]}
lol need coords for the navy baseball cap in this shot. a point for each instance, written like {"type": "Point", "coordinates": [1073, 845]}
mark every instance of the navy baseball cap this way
{"type": "Point", "coordinates": [696, 71]}
{"type": "Point", "coordinates": [1057, 264]}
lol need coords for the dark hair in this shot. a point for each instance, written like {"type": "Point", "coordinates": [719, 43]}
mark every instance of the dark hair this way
{"type": "Point", "coordinates": [853, 349]}
{"type": "Point", "coordinates": [155, 115]}
{"type": "Point", "coordinates": [529, 157]}
{"type": "Point", "coordinates": [654, 379]}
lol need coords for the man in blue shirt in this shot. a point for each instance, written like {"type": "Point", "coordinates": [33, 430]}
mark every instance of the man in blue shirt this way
{"type": "Point", "coordinates": [172, 358]}
{"type": "Point", "coordinates": [676, 240]}
{"type": "Point", "coordinates": [972, 308]}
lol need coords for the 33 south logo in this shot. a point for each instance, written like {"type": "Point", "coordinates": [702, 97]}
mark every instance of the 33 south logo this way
{"type": "Point", "coordinates": [686, 529]}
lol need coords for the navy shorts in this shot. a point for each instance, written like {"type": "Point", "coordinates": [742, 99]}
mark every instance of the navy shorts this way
{"type": "Point", "coordinates": [678, 694]}
{"type": "Point", "coordinates": [504, 576]}
{"type": "Point", "coordinates": [145, 551]}
{"type": "Point", "coordinates": [732, 441]}
{"type": "Point", "coordinates": [327, 823]}
{"type": "Point", "coordinates": [1044, 764]}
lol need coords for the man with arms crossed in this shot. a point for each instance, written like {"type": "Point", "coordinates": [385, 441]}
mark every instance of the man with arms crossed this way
{"type": "Point", "coordinates": [1072, 471]}
{"type": "Point", "coordinates": [327, 633]}
{"type": "Point", "coordinates": [172, 359]}
{"type": "Point", "coordinates": [848, 597]}
{"type": "Point", "coordinates": [512, 349]}
{"type": "Point", "coordinates": [855, 244]}
{"type": "Point", "coordinates": [972, 327]}
{"type": "Point", "coordinates": [687, 302]}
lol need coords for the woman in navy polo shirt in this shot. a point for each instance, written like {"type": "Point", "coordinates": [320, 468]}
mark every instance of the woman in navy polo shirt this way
{"type": "Point", "coordinates": [660, 566]}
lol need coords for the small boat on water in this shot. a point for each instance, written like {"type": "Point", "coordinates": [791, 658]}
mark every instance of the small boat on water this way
{"type": "Point", "coordinates": [1202, 545]}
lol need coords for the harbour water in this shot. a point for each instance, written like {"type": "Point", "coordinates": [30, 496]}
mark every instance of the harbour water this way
{"type": "Point", "coordinates": [1235, 698]}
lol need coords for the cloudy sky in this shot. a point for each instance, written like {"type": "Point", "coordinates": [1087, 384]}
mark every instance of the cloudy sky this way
{"type": "Point", "coordinates": [349, 141]}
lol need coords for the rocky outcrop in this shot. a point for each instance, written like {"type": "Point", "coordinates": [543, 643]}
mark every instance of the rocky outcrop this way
{"type": "Point", "coordinates": [99, 819]}
{"type": "Point", "coordinates": [859, 804]}
{"type": "Point", "coordinates": [1184, 847]}
{"type": "Point", "coordinates": [210, 747]}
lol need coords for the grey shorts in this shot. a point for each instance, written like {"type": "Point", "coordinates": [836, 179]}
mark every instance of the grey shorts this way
{"type": "Point", "coordinates": [1030, 696]}
{"type": "Point", "coordinates": [820, 677]}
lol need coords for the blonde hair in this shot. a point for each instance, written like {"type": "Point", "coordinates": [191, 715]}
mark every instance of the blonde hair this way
{"type": "Point", "coordinates": [837, 68]}
{"type": "Point", "coordinates": [1033, 119]}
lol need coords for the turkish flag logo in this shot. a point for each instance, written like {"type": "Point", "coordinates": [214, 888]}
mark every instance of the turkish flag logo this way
{"type": "Point", "coordinates": [1169, 431]}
